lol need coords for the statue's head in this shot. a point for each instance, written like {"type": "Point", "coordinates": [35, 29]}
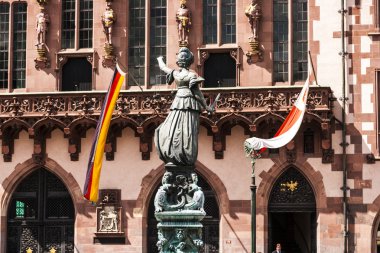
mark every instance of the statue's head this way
{"type": "Point", "coordinates": [184, 57]}
{"type": "Point", "coordinates": [194, 178]}
{"type": "Point", "coordinates": [183, 3]}
{"type": "Point", "coordinates": [167, 177]}
{"type": "Point", "coordinates": [180, 234]}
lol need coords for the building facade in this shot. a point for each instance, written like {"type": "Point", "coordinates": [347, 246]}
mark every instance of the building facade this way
{"type": "Point", "coordinates": [57, 59]}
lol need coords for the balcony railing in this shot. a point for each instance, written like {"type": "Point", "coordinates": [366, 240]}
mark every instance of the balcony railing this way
{"type": "Point", "coordinates": [243, 100]}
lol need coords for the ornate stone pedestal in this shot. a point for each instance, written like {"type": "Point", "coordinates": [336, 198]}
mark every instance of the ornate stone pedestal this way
{"type": "Point", "coordinates": [180, 231]}
{"type": "Point", "coordinates": [179, 210]}
{"type": "Point", "coordinates": [42, 61]}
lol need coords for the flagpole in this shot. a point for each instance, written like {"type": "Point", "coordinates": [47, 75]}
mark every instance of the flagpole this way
{"type": "Point", "coordinates": [254, 155]}
{"type": "Point", "coordinates": [253, 208]}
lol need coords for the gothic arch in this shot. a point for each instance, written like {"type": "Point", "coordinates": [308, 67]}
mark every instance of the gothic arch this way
{"type": "Point", "coordinates": [151, 181]}
{"type": "Point", "coordinates": [375, 207]}
{"type": "Point", "coordinates": [269, 178]}
{"type": "Point", "coordinates": [24, 169]}
{"type": "Point", "coordinates": [20, 172]}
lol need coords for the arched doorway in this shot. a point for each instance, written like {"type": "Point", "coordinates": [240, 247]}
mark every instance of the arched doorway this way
{"type": "Point", "coordinates": [40, 215]}
{"type": "Point", "coordinates": [210, 232]}
{"type": "Point", "coordinates": [292, 214]}
{"type": "Point", "coordinates": [77, 75]}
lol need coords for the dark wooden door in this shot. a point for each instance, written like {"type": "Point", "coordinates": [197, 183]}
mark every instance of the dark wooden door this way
{"type": "Point", "coordinates": [40, 216]}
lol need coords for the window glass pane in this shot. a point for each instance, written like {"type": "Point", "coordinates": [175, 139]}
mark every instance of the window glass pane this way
{"type": "Point", "coordinates": [209, 21]}
{"type": "Point", "coordinates": [157, 40]}
{"type": "Point", "coordinates": [85, 24]}
{"type": "Point", "coordinates": [280, 40]}
{"type": "Point", "coordinates": [68, 23]}
{"type": "Point", "coordinates": [136, 52]}
{"type": "Point", "coordinates": [19, 45]}
{"type": "Point", "coordinates": [228, 21]}
{"type": "Point", "coordinates": [4, 47]}
{"type": "Point", "coordinates": [300, 47]}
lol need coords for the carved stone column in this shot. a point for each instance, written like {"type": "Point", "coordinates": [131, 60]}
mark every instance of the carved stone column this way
{"type": "Point", "coordinates": [179, 211]}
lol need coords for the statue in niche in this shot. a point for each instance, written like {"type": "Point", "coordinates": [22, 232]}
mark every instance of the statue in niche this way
{"type": "Point", "coordinates": [183, 18]}
{"type": "Point", "coordinates": [176, 139]}
{"type": "Point", "coordinates": [253, 12]}
{"type": "Point", "coordinates": [43, 21]}
{"type": "Point", "coordinates": [108, 19]}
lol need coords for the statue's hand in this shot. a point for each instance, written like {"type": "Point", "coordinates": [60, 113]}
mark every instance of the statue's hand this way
{"type": "Point", "coordinates": [210, 109]}
{"type": "Point", "coordinates": [160, 58]}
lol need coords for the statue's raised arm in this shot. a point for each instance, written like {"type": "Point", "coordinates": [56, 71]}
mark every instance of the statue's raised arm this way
{"type": "Point", "coordinates": [163, 66]}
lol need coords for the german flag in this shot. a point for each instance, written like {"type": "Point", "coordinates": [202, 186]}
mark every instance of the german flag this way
{"type": "Point", "coordinates": [91, 186]}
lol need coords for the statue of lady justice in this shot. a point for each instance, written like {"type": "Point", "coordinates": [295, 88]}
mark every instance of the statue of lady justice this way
{"type": "Point", "coordinates": [176, 139]}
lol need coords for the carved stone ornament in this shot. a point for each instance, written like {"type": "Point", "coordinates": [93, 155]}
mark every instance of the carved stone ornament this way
{"type": "Point", "coordinates": [371, 159]}
{"type": "Point", "coordinates": [327, 155]}
{"type": "Point", "coordinates": [108, 213]}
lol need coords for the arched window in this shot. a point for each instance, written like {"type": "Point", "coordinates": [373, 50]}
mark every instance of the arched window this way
{"type": "Point", "coordinates": [40, 215]}
{"type": "Point", "coordinates": [210, 232]}
{"type": "Point", "coordinates": [290, 59]}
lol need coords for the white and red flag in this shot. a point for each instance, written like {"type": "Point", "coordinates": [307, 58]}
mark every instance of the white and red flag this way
{"type": "Point", "coordinates": [287, 130]}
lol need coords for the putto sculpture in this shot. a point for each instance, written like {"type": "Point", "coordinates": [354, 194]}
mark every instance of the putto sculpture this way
{"type": "Point", "coordinates": [183, 18]}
